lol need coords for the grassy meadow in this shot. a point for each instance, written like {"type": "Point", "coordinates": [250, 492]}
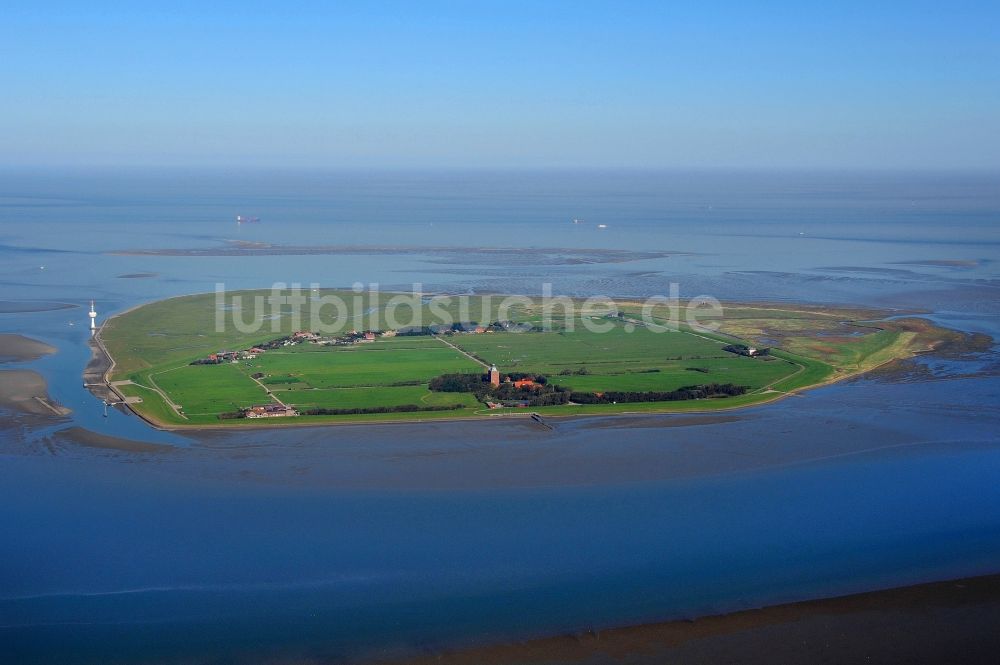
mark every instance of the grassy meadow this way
{"type": "Point", "coordinates": [153, 346]}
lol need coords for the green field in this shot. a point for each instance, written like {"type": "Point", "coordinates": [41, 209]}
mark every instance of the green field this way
{"type": "Point", "coordinates": [384, 362]}
{"type": "Point", "coordinates": [639, 360]}
{"type": "Point", "coordinates": [153, 346]}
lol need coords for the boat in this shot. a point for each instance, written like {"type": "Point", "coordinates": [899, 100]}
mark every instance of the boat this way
{"type": "Point", "coordinates": [241, 219]}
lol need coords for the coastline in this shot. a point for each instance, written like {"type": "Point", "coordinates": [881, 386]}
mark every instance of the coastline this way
{"type": "Point", "coordinates": [102, 364]}
{"type": "Point", "coordinates": [932, 622]}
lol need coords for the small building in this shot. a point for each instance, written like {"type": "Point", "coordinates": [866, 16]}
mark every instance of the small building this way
{"type": "Point", "coordinates": [525, 383]}
{"type": "Point", "coordinates": [369, 336]}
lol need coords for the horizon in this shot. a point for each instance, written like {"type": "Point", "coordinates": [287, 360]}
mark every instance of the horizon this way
{"type": "Point", "coordinates": [447, 86]}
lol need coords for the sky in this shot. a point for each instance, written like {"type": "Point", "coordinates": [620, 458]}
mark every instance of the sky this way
{"type": "Point", "coordinates": [505, 84]}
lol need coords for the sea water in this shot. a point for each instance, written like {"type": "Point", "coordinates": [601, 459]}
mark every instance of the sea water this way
{"type": "Point", "coordinates": [358, 540]}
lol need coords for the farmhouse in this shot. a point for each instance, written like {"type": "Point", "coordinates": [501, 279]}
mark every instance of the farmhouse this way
{"type": "Point", "coordinates": [270, 411]}
{"type": "Point", "coordinates": [744, 350]}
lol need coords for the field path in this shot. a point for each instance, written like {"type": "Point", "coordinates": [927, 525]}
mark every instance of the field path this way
{"type": "Point", "coordinates": [155, 388]}
{"type": "Point", "coordinates": [467, 355]}
{"type": "Point", "coordinates": [268, 391]}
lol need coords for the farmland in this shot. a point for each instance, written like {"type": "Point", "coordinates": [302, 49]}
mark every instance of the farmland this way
{"type": "Point", "coordinates": [592, 351]}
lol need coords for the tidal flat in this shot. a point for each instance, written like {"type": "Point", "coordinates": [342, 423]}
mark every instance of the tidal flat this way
{"type": "Point", "coordinates": [370, 540]}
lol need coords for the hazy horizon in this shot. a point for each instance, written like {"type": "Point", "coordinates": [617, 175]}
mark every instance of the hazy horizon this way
{"type": "Point", "coordinates": [518, 85]}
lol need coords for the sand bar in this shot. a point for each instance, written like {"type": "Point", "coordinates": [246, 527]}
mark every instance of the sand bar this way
{"type": "Point", "coordinates": [85, 437]}
{"type": "Point", "coordinates": [942, 622]}
{"type": "Point", "coordinates": [18, 348]}
{"type": "Point", "coordinates": [25, 391]}
{"type": "Point", "coordinates": [23, 306]}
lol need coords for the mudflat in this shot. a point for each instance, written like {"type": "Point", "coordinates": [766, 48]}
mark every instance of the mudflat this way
{"type": "Point", "coordinates": [18, 348]}
{"type": "Point", "coordinates": [25, 391]}
{"type": "Point", "coordinates": [942, 622]}
{"type": "Point", "coordinates": [90, 439]}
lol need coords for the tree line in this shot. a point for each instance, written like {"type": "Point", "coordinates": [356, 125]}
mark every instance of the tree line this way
{"type": "Point", "coordinates": [684, 393]}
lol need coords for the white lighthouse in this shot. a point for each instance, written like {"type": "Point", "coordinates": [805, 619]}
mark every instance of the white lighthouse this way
{"type": "Point", "coordinates": [93, 317]}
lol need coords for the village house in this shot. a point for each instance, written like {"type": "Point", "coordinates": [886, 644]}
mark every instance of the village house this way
{"type": "Point", "coordinates": [270, 411]}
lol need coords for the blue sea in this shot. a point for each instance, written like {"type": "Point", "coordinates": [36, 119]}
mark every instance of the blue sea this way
{"type": "Point", "coordinates": [353, 542]}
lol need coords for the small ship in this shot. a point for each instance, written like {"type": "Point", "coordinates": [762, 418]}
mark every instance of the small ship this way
{"type": "Point", "coordinates": [243, 219]}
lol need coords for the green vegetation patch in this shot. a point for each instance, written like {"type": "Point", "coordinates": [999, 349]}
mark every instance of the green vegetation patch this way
{"type": "Point", "coordinates": [209, 389]}
{"type": "Point", "coordinates": [154, 346]}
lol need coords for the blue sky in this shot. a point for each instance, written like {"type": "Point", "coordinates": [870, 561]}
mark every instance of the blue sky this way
{"type": "Point", "coordinates": [502, 84]}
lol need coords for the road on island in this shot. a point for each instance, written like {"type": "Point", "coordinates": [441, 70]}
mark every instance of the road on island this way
{"type": "Point", "coordinates": [467, 355]}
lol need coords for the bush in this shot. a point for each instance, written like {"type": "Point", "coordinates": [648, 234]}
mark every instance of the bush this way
{"type": "Point", "coordinates": [685, 393]}
{"type": "Point", "coordinates": [402, 408]}
{"type": "Point", "coordinates": [458, 383]}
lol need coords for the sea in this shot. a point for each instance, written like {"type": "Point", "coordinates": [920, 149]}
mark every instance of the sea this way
{"type": "Point", "coordinates": [350, 543]}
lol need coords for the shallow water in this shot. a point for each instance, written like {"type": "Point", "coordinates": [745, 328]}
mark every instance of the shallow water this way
{"type": "Point", "coordinates": [355, 540]}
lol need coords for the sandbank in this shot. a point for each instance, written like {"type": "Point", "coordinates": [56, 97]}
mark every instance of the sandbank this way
{"type": "Point", "coordinates": [25, 391]}
{"type": "Point", "coordinates": [18, 348]}
{"type": "Point", "coordinates": [941, 622]}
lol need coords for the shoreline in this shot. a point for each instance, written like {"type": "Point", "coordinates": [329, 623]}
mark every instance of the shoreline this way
{"type": "Point", "coordinates": [25, 391]}
{"type": "Point", "coordinates": [103, 359]}
{"type": "Point", "coordinates": [944, 621]}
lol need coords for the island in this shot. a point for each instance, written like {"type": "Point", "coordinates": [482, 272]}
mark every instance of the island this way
{"type": "Point", "coordinates": [181, 362]}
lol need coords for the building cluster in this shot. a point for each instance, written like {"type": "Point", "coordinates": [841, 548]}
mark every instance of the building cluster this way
{"type": "Point", "coordinates": [220, 357]}
{"type": "Point", "coordinates": [269, 411]}
{"type": "Point", "coordinates": [523, 384]}
{"type": "Point", "coordinates": [298, 337]}
{"type": "Point", "coordinates": [353, 337]}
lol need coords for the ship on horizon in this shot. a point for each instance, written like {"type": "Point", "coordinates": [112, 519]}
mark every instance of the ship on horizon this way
{"type": "Point", "coordinates": [242, 219]}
